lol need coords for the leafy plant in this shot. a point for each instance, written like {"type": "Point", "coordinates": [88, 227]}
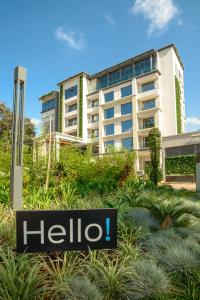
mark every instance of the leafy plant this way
{"type": "Point", "coordinates": [148, 280]}
{"type": "Point", "coordinates": [83, 289]}
{"type": "Point", "coordinates": [20, 277]}
{"type": "Point", "coordinates": [154, 141]}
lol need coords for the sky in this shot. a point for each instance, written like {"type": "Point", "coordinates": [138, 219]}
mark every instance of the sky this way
{"type": "Point", "coordinates": [55, 39]}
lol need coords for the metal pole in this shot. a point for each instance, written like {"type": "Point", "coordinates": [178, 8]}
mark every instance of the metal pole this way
{"type": "Point", "coordinates": [198, 173]}
{"type": "Point", "coordinates": [16, 170]}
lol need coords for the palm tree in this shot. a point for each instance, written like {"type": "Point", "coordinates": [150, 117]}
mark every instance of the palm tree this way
{"type": "Point", "coordinates": [170, 213]}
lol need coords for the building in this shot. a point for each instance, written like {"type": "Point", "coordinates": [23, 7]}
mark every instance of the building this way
{"type": "Point", "coordinates": [118, 106]}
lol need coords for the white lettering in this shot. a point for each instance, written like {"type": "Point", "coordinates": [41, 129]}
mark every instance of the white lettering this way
{"type": "Point", "coordinates": [79, 230]}
{"type": "Point", "coordinates": [26, 232]}
{"type": "Point", "coordinates": [51, 234]}
{"type": "Point", "coordinates": [87, 232]}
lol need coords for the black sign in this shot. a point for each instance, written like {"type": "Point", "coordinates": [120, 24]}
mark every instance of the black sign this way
{"type": "Point", "coordinates": [45, 231]}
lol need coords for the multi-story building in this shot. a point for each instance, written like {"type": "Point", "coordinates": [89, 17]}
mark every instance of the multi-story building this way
{"type": "Point", "coordinates": [119, 105]}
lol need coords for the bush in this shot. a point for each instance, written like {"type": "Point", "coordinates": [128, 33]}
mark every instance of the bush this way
{"type": "Point", "coordinates": [148, 280]}
{"type": "Point", "coordinates": [82, 289]}
{"type": "Point", "coordinates": [20, 277]}
{"type": "Point", "coordinates": [154, 141]}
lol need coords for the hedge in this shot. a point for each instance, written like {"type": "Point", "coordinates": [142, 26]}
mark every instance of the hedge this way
{"type": "Point", "coordinates": [181, 165]}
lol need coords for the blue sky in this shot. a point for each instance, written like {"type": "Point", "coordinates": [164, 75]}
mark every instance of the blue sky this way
{"type": "Point", "coordinates": [55, 39]}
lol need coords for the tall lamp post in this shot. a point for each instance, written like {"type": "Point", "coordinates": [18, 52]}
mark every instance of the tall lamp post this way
{"type": "Point", "coordinates": [16, 171]}
{"type": "Point", "coordinates": [198, 173]}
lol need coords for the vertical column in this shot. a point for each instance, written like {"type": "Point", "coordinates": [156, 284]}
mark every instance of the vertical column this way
{"type": "Point", "coordinates": [16, 171]}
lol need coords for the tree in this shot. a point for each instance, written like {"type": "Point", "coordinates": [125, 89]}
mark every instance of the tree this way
{"type": "Point", "coordinates": [154, 141]}
{"type": "Point", "coordinates": [6, 126]}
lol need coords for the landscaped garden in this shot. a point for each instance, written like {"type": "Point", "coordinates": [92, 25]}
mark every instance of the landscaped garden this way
{"type": "Point", "coordinates": [158, 253]}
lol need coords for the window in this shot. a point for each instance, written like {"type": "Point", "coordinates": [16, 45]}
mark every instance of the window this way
{"type": "Point", "coordinates": [95, 103]}
{"type": "Point", "coordinates": [48, 105]}
{"type": "Point", "coordinates": [109, 144]}
{"type": "Point", "coordinates": [95, 118]}
{"type": "Point", "coordinates": [145, 143]}
{"type": "Point", "coordinates": [126, 72]}
{"type": "Point", "coordinates": [148, 123]}
{"type": "Point", "coordinates": [71, 92]}
{"type": "Point", "coordinates": [72, 122]}
{"type": "Point", "coordinates": [143, 66]}
{"type": "Point", "coordinates": [127, 143]}
{"type": "Point", "coordinates": [109, 96]}
{"type": "Point", "coordinates": [148, 104]}
{"type": "Point", "coordinates": [109, 129]}
{"type": "Point", "coordinates": [103, 81]}
{"type": "Point", "coordinates": [126, 91]}
{"type": "Point", "coordinates": [126, 108]}
{"type": "Point", "coordinates": [114, 77]}
{"type": "Point", "coordinates": [148, 86]}
{"type": "Point", "coordinates": [95, 133]}
{"type": "Point", "coordinates": [72, 107]}
{"type": "Point", "coordinates": [109, 113]}
{"type": "Point", "coordinates": [126, 125]}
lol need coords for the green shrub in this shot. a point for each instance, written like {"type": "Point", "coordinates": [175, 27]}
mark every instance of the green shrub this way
{"type": "Point", "coordinates": [20, 277]}
{"type": "Point", "coordinates": [80, 288]}
{"type": "Point", "coordinates": [154, 141]}
{"type": "Point", "coordinates": [148, 280]}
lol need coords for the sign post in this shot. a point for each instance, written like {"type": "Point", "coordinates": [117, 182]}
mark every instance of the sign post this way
{"type": "Point", "coordinates": [66, 230]}
{"type": "Point", "coordinates": [16, 172]}
{"type": "Point", "coordinates": [198, 173]}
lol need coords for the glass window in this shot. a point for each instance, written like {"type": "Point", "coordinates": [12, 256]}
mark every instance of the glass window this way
{"type": "Point", "coordinates": [71, 92]}
{"type": "Point", "coordinates": [109, 144]}
{"type": "Point", "coordinates": [143, 66]}
{"type": "Point", "coordinates": [95, 118]}
{"type": "Point", "coordinates": [48, 105]}
{"type": "Point", "coordinates": [127, 72]}
{"type": "Point", "coordinates": [103, 81]}
{"type": "Point", "coordinates": [126, 125]}
{"type": "Point", "coordinates": [72, 107]}
{"type": "Point", "coordinates": [109, 129]}
{"type": "Point", "coordinates": [95, 103]}
{"type": "Point", "coordinates": [126, 108]}
{"type": "Point", "coordinates": [109, 96]}
{"type": "Point", "coordinates": [126, 91]}
{"type": "Point", "coordinates": [145, 142]}
{"type": "Point", "coordinates": [109, 113]}
{"type": "Point", "coordinates": [148, 104]}
{"type": "Point", "coordinates": [114, 77]}
{"type": "Point", "coordinates": [148, 123]}
{"type": "Point", "coordinates": [95, 133]}
{"type": "Point", "coordinates": [127, 143]}
{"type": "Point", "coordinates": [72, 122]}
{"type": "Point", "coordinates": [148, 86]}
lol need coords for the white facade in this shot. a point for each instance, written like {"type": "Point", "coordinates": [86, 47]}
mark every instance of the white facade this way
{"type": "Point", "coordinates": [109, 119]}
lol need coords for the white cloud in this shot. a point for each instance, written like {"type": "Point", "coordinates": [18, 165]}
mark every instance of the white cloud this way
{"type": "Point", "coordinates": [159, 13]}
{"type": "Point", "coordinates": [193, 121]}
{"type": "Point", "coordinates": [109, 19]}
{"type": "Point", "coordinates": [70, 38]}
{"type": "Point", "coordinates": [36, 122]}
